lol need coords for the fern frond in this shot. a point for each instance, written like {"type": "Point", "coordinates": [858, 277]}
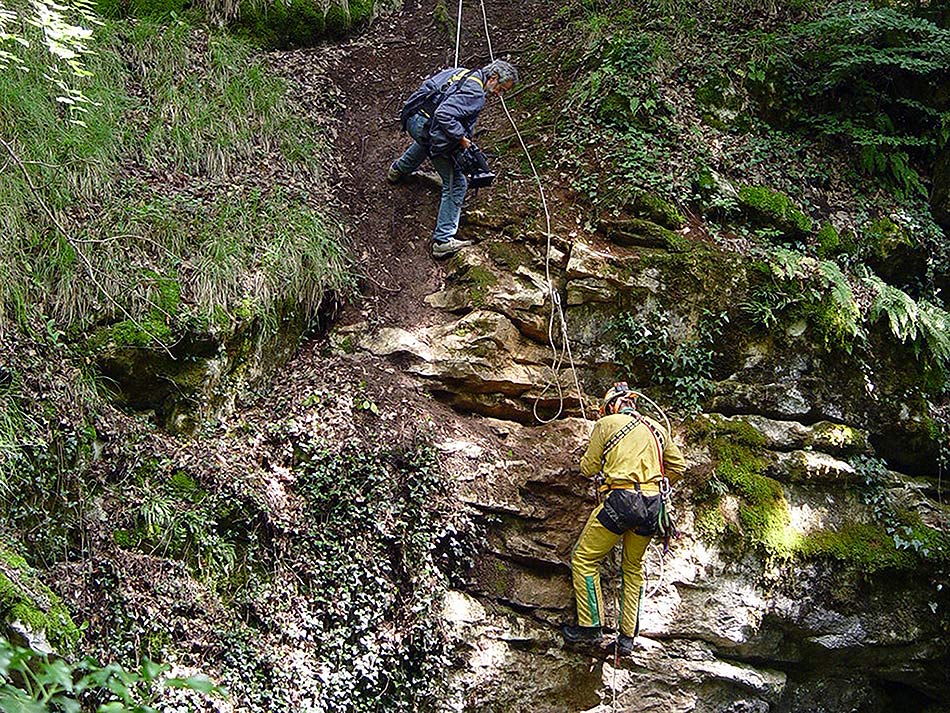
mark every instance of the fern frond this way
{"type": "Point", "coordinates": [836, 281]}
{"type": "Point", "coordinates": [935, 327]}
{"type": "Point", "coordinates": [901, 310]}
{"type": "Point", "coordinates": [786, 264]}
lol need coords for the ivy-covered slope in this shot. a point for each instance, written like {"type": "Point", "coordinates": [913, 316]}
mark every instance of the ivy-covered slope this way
{"type": "Point", "coordinates": [740, 230]}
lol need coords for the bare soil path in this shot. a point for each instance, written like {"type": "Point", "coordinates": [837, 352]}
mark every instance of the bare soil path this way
{"type": "Point", "coordinates": [390, 226]}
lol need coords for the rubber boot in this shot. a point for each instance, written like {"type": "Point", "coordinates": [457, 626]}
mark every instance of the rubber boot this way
{"type": "Point", "coordinates": [626, 645]}
{"type": "Point", "coordinates": [582, 634]}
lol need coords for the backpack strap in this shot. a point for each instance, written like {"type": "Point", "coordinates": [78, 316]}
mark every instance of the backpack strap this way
{"type": "Point", "coordinates": [615, 439]}
{"type": "Point", "coordinates": [456, 81]}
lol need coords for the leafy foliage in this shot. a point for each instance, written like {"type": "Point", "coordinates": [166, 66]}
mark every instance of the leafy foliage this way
{"type": "Point", "coordinates": [866, 74]}
{"type": "Point", "coordinates": [816, 289]}
{"type": "Point", "coordinates": [62, 30]}
{"type": "Point", "coordinates": [380, 551]}
{"type": "Point", "coordinates": [31, 682]}
{"type": "Point", "coordinates": [923, 323]}
{"type": "Point", "coordinates": [682, 365]}
{"type": "Point", "coordinates": [908, 533]}
{"type": "Point", "coordinates": [215, 533]}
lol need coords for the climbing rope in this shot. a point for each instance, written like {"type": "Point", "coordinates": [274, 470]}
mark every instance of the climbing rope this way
{"type": "Point", "coordinates": [557, 355]}
{"type": "Point", "coordinates": [458, 35]}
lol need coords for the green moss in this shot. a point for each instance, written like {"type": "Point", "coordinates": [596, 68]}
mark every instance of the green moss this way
{"type": "Point", "coordinates": [23, 597]}
{"type": "Point", "coordinates": [126, 539]}
{"type": "Point", "coordinates": [501, 579]}
{"type": "Point", "coordinates": [710, 522]}
{"type": "Point", "coordinates": [866, 546]}
{"type": "Point", "coordinates": [440, 16]}
{"type": "Point", "coordinates": [721, 104]}
{"type": "Point", "coordinates": [774, 209]}
{"type": "Point", "coordinates": [283, 25]}
{"type": "Point", "coordinates": [704, 428]}
{"type": "Point", "coordinates": [833, 326]}
{"type": "Point", "coordinates": [140, 333]}
{"type": "Point", "coordinates": [509, 255]}
{"type": "Point", "coordinates": [654, 208]}
{"type": "Point", "coordinates": [478, 280]}
{"type": "Point", "coordinates": [837, 437]}
{"type": "Point", "coordinates": [360, 11]}
{"type": "Point", "coordinates": [883, 236]}
{"type": "Point", "coordinates": [168, 292]}
{"type": "Point", "coordinates": [829, 241]}
{"type": "Point", "coordinates": [738, 451]}
{"type": "Point", "coordinates": [645, 233]}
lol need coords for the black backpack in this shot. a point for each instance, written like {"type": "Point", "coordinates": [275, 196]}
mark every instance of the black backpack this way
{"type": "Point", "coordinates": [428, 101]}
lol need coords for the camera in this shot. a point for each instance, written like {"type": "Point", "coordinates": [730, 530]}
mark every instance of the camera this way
{"type": "Point", "coordinates": [474, 165]}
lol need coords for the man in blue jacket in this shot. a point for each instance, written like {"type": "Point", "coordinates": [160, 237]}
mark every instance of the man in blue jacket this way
{"type": "Point", "coordinates": [446, 108]}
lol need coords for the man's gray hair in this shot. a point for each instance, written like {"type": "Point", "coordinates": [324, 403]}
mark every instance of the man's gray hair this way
{"type": "Point", "coordinates": [505, 72]}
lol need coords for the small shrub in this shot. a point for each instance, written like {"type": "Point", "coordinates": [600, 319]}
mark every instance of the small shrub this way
{"type": "Point", "coordinates": [683, 367]}
{"type": "Point", "coordinates": [36, 683]}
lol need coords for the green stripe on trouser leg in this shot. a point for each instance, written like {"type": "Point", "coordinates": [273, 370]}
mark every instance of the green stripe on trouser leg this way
{"type": "Point", "coordinates": [594, 544]}
{"type": "Point", "coordinates": [592, 602]}
{"type": "Point", "coordinates": [634, 547]}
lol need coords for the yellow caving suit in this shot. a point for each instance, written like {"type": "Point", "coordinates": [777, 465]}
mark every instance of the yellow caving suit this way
{"type": "Point", "coordinates": [634, 460]}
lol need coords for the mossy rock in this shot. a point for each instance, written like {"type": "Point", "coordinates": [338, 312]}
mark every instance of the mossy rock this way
{"type": "Point", "coordinates": [768, 208]}
{"type": "Point", "coordinates": [717, 193]}
{"type": "Point", "coordinates": [636, 232]}
{"type": "Point", "coordinates": [864, 546]}
{"type": "Point", "coordinates": [651, 207]}
{"type": "Point", "coordinates": [831, 242]}
{"type": "Point", "coordinates": [893, 252]}
{"type": "Point", "coordinates": [189, 371]}
{"type": "Point", "coordinates": [722, 104]}
{"type": "Point", "coordinates": [25, 599]}
{"type": "Point", "coordinates": [300, 23]}
{"type": "Point", "coordinates": [361, 11]}
{"type": "Point", "coordinates": [509, 255]}
{"type": "Point", "coordinates": [837, 438]}
{"type": "Point", "coordinates": [740, 461]}
{"type": "Point", "coordinates": [337, 20]}
{"type": "Point", "coordinates": [477, 279]}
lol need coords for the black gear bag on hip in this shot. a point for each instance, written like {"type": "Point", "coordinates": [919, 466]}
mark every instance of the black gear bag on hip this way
{"type": "Point", "coordinates": [630, 510]}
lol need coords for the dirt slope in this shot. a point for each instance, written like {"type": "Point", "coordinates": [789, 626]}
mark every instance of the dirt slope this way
{"type": "Point", "coordinates": [390, 227]}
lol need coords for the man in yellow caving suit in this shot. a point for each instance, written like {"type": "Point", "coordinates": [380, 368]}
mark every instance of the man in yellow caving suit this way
{"type": "Point", "coordinates": [635, 454]}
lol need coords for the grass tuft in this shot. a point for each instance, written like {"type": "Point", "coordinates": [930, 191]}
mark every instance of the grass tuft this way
{"type": "Point", "coordinates": [154, 212]}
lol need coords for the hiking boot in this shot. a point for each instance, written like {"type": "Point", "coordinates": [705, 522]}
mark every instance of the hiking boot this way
{"type": "Point", "coordinates": [581, 634]}
{"type": "Point", "coordinates": [394, 175]}
{"type": "Point", "coordinates": [448, 247]}
{"type": "Point", "coordinates": [626, 645]}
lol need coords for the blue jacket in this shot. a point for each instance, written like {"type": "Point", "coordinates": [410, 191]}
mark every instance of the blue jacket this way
{"type": "Point", "coordinates": [456, 115]}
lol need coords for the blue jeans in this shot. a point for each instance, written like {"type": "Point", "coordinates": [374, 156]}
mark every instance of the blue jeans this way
{"type": "Point", "coordinates": [454, 184]}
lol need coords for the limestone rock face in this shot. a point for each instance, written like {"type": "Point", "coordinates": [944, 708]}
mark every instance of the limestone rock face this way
{"type": "Point", "coordinates": [785, 591]}
{"type": "Point", "coordinates": [722, 629]}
